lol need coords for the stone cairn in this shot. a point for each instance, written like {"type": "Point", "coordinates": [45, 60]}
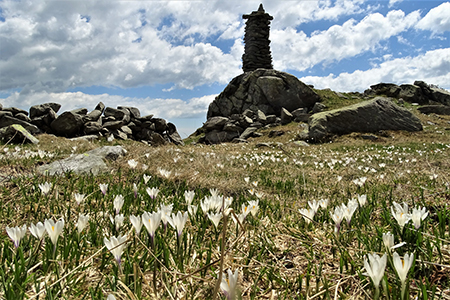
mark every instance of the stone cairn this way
{"type": "Point", "coordinates": [257, 44]}
{"type": "Point", "coordinates": [123, 123]}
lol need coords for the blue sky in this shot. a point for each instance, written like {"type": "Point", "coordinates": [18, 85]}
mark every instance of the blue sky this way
{"type": "Point", "coordinates": [171, 58]}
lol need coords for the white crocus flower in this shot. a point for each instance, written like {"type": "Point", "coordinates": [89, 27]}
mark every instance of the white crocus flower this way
{"type": "Point", "coordinates": [164, 173]}
{"type": "Point", "coordinates": [152, 192]}
{"type": "Point", "coordinates": [178, 221]}
{"type": "Point", "coordinates": [103, 188]}
{"type": "Point", "coordinates": [401, 214]}
{"type": "Point", "coordinates": [323, 203]}
{"type": "Point", "coordinates": [362, 200]}
{"type": "Point", "coordinates": [135, 190]}
{"type": "Point", "coordinates": [402, 267]}
{"type": "Point", "coordinates": [16, 234]}
{"type": "Point", "coordinates": [254, 206]}
{"type": "Point", "coordinates": [137, 223]}
{"type": "Point", "coordinates": [308, 214]}
{"type": "Point", "coordinates": [375, 267]}
{"type": "Point", "coordinates": [151, 222]}
{"type": "Point", "coordinates": [337, 217]}
{"type": "Point", "coordinates": [165, 210]}
{"type": "Point", "coordinates": [116, 246]}
{"type": "Point", "coordinates": [79, 198]}
{"type": "Point", "coordinates": [118, 203]}
{"type": "Point", "coordinates": [132, 163]}
{"type": "Point", "coordinates": [82, 222]}
{"type": "Point", "coordinates": [189, 197]}
{"type": "Point", "coordinates": [146, 178]}
{"type": "Point", "coordinates": [418, 215]}
{"type": "Point", "coordinates": [314, 205]}
{"type": "Point", "coordinates": [45, 187]}
{"type": "Point", "coordinates": [215, 218]}
{"type": "Point", "coordinates": [349, 210]}
{"type": "Point", "coordinates": [192, 209]}
{"type": "Point", "coordinates": [229, 285]}
{"type": "Point", "coordinates": [54, 229]}
{"type": "Point", "coordinates": [37, 230]}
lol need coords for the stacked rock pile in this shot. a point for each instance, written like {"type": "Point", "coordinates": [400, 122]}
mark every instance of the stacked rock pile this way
{"type": "Point", "coordinates": [122, 123]}
{"type": "Point", "coordinates": [237, 128]}
{"type": "Point", "coordinates": [257, 44]}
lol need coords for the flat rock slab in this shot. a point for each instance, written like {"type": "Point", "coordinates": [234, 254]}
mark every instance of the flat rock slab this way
{"type": "Point", "coordinates": [368, 116]}
{"type": "Point", "coordinates": [90, 162]}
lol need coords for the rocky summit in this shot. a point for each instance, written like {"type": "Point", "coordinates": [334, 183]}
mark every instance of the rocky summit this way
{"type": "Point", "coordinates": [266, 90]}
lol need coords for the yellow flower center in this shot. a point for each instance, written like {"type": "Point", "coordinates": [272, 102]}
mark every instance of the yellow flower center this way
{"type": "Point", "coordinates": [53, 228]}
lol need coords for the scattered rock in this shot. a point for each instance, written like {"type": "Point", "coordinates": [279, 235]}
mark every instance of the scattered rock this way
{"type": "Point", "coordinates": [435, 109]}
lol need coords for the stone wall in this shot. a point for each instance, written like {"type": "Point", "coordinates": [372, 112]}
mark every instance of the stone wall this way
{"type": "Point", "coordinates": [122, 122]}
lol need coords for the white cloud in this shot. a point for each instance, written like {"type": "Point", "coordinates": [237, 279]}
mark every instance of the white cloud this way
{"type": "Point", "coordinates": [296, 51]}
{"type": "Point", "coordinates": [437, 19]}
{"type": "Point", "coordinates": [431, 67]}
{"type": "Point", "coordinates": [393, 2]}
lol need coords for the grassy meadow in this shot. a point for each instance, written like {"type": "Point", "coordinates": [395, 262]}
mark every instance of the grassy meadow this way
{"type": "Point", "coordinates": [274, 221]}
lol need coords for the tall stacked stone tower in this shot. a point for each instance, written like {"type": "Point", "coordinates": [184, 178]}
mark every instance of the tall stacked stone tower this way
{"type": "Point", "coordinates": [257, 44]}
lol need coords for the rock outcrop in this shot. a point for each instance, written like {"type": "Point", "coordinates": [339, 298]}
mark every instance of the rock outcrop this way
{"type": "Point", "coordinates": [122, 123]}
{"type": "Point", "coordinates": [419, 92]}
{"type": "Point", "coordinates": [368, 116]}
{"type": "Point", "coordinates": [264, 90]}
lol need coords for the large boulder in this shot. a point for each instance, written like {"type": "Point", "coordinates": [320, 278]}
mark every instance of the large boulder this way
{"type": "Point", "coordinates": [440, 95]}
{"type": "Point", "coordinates": [265, 90]}
{"type": "Point", "coordinates": [43, 109]}
{"type": "Point", "coordinates": [368, 116]}
{"type": "Point", "coordinates": [67, 124]}
{"type": "Point", "coordinates": [7, 120]}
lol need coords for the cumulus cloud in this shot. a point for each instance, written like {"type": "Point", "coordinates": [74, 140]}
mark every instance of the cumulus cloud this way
{"type": "Point", "coordinates": [297, 51]}
{"type": "Point", "coordinates": [437, 19]}
{"type": "Point", "coordinates": [431, 67]}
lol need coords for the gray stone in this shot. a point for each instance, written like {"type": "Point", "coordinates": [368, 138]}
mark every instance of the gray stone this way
{"type": "Point", "coordinates": [318, 107]}
{"type": "Point", "coordinates": [134, 111]}
{"type": "Point", "coordinates": [248, 132]}
{"type": "Point", "coordinates": [160, 124]}
{"type": "Point", "coordinates": [435, 109]}
{"type": "Point", "coordinates": [217, 137]}
{"type": "Point", "coordinates": [156, 139]}
{"type": "Point", "coordinates": [7, 120]}
{"type": "Point", "coordinates": [245, 122]}
{"type": "Point", "coordinates": [173, 134]}
{"type": "Point", "coordinates": [100, 106]}
{"type": "Point", "coordinates": [118, 134]}
{"type": "Point", "coordinates": [368, 116]}
{"type": "Point", "coordinates": [441, 96]}
{"type": "Point", "coordinates": [78, 164]}
{"type": "Point", "coordinates": [145, 118]}
{"type": "Point", "coordinates": [118, 114]}
{"type": "Point", "coordinates": [22, 117]}
{"type": "Point", "coordinates": [15, 110]}
{"type": "Point", "coordinates": [89, 138]}
{"type": "Point", "coordinates": [43, 109]}
{"type": "Point", "coordinates": [271, 119]}
{"type": "Point", "coordinates": [93, 116]}
{"type": "Point", "coordinates": [286, 116]}
{"type": "Point", "coordinates": [92, 127]}
{"type": "Point", "coordinates": [17, 134]}
{"type": "Point", "coordinates": [108, 152]}
{"type": "Point", "coordinates": [412, 94]}
{"type": "Point", "coordinates": [215, 123]}
{"type": "Point", "coordinates": [387, 89]}
{"type": "Point", "coordinates": [261, 117]}
{"type": "Point", "coordinates": [113, 125]}
{"type": "Point", "coordinates": [80, 111]}
{"type": "Point", "coordinates": [86, 163]}
{"type": "Point", "coordinates": [5, 113]}
{"type": "Point", "coordinates": [127, 130]}
{"type": "Point", "coordinates": [231, 127]}
{"type": "Point", "coordinates": [256, 125]}
{"type": "Point", "coordinates": [301, 143]}
{"type": "Point", "coordinates": [67, 124]}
